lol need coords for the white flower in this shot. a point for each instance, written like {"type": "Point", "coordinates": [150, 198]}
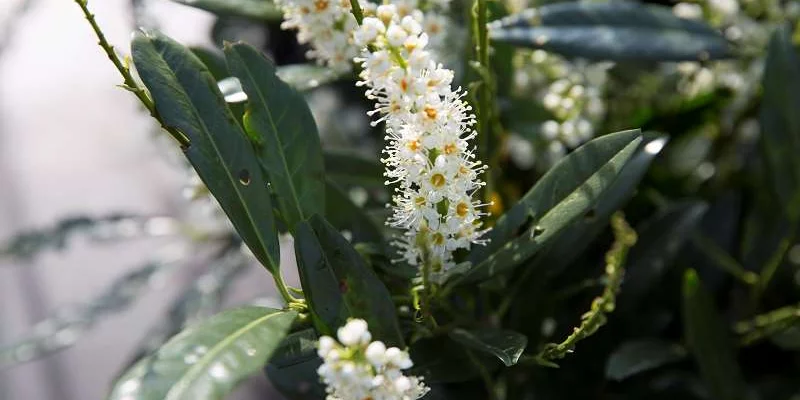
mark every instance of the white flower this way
{"type": "Point", "coordinates": [364, 370]}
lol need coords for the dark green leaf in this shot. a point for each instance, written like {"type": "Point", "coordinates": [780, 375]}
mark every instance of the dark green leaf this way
{"type": "Point", "coordinates": [346, 216]}
{"type": "Point", "coordinates": [566, 193]}
{"type": "Point", "coordinates": [338, 283]}
{"type": "Point", "coordinates": [660, 239]}
{"type": "Point", "coordinates": [291, 152]}
{"type": "Point", "coordinates": [353, 169]}
{"type": "Point", "coordinates": [293, 368]}
{"type": "Point", "coordinates": [257, 9]}
{"type": "Point", "coordinates": [614, 31]}
{"type": "Point", "coordinates": [643, 355]}
{"type": "Point", "coordinates": [707, 337]}
{"type": "Point", "coordinates": [441, 359]}
{"type": "Point", "coordinates": [207, 360]}
{"type": "Point", "coordinates": [187, 98]}
{"type": "Point", "coordinates": [571, 243]}
{"type": "Point", "coordinates": [505, 345]}
{"type": "Point", "coordinates": [780, 120]}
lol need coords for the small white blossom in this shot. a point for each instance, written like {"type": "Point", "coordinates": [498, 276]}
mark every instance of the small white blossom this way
{"type": "Point", "coordinates": [355, 368]}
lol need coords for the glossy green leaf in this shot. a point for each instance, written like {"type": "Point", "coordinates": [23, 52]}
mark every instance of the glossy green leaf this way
{"type": "Point", "coordinates": [290, 152]}
{"type": "Point", "coordinates": [293, 368]}
{"type": "Point", "coordinates": [351, 168]}
{"type": "Point", "coordinates": [566, 193]}
{"type": "Point", "coordinates": [571, 243]}
{"type": "Point", "coordinates": [780, 120]}
{"type": "Point", "coordinates": [643, 355]}
{"type": "Point", "coordinates": [306, 76]}
{"type": "Point", "coordinates": [338, 283]}
{"type": "Point", "coordinates": [660, 239]}
{"type": "Point", "coordinates": [207, 360]}
{"type": "Point", "coordinates": [505, 345]}
{"type": "Point", "coordinates": [616, 31]}
{"type": "Point", "coordinates": [709, 341]}
{"type": "Point", "coordinates": [256, 9]}
{"type": "Point", "coordinates": [187, 98]}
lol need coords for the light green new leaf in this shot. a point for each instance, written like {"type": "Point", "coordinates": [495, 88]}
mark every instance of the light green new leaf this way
{"type": "Point", "coordinates": [207, 360]}
{"type": "Point", "coordinates": [643, 355]}
{"type": "Point", "coordinates": [566, 193]}
{"type": "Point", "coordinates": [708, 339]}
{"type": "Point", "coordinates": [780, 120]}
{"type": "Point", "coordinates": [616, 31]}
{"type": "Point", "coordinates": [256, 9]}
{"type": "Point", "coordinates": [505, 345]}
{"type": "Point", "coordinates": [291, 152]}
{"type": "Point", "coordinates": [187, 98]}
{"type": "Point", "coordinates": [338, 283]}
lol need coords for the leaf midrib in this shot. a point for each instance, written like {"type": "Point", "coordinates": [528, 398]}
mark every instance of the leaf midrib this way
{"type": "Point", "coordinates": [274, 133]}
{"type": "Point", "coordinates": [188, 377]}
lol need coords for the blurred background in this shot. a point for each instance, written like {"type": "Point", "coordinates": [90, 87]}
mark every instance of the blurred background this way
{"type": "Point", "coordinates": [73, 144]}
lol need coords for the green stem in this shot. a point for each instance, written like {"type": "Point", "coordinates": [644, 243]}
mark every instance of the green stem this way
{"type": "Point", "coordinates": [282, 289]}
{"type": "Point", "coordinates": [775, 261]}
{"type": "Point", "coordinates": [723, 260]}
{"type": "Point", "coordinates": [129, 83]}
{"type": "Point", "coordinates": [625, 238]}
{"type": "Point", "coordinates": [483, 96]}
{"type": "Point", "coordinates": [768, 324]}
{"type": "Point", "coordinates": [357, 12]}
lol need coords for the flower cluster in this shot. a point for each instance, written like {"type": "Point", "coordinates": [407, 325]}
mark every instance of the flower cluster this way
{"type": "Point", "coordinates": [354, 368]}
{"type": "Point", "coordinates": [571, 91]}
{"type": "Point", "coordinates": [328, 26]}
{"type": "Point", "coordinates": [428, 128]}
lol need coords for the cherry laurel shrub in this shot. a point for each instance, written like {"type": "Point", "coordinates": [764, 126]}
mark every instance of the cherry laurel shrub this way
{"type": "Point", "coordinates": [470, 241]}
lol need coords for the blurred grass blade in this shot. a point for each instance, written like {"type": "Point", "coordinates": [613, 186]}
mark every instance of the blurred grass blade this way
{"type": "Point", "coordinates": [291, 152]}
{"type": "Point", "coordinates": [616, 31]}
{"type": "Point", "coordinates": [566, 193]}
{"type": "Point", "coordinates": [187, 98]}
{"type": "Point", "coordinates": [505, 345]}
{"type": "Point", "coordinates": [709, 341]}
{"type": "Point", "coordinates": [208, 360]}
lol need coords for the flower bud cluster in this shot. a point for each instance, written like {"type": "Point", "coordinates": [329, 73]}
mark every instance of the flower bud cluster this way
{"type": "Point", "coordinates": [356, 368]}
{"type": "Point", "coordinates": [428, 128]}
{"type": "Point", "coordinates": [328, 26]}
{"type": "Point", "coordinates": [571, 92]}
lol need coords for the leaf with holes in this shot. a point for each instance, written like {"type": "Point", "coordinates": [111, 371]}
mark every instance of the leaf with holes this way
{"type": "Point", "coordinates": [708, 339]}
{"type": "Point", "coordinates": [571, 243]}
{"type": "Point", "coordinates": [505, 345]}
{"type": "Point", "coordinates": [616, 31]}
{"type": "Point", "coordinates": [338, 283]}
{"type": "Point", "coordinates": [256, 9]}
{"type": "Point", "coordinates": [207, 360]}
{"type": "Point", "coordinates": [187, 99]}
{"type": "Point", "coordinates": [564, 194]}
{"type": "Point", "coordinates": [642, 355]}
{"type": "Point", "coordinates": [291, 152]}
{"type": "Point", "coordinates": [780, 121]}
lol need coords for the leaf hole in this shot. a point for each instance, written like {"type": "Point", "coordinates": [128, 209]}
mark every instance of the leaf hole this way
{"type": "Point", "coordinates": [244, 177]}
{"type": "Point", "coordinates": [537, 231]}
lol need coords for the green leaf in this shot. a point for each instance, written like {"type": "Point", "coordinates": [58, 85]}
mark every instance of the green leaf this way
{"type": "Point", "coordinates": [505, 345]}
{"type": "Point", "coordinates": [293, 368]}
{"type": "Point", "coordinates": [307, 76]}
{"type": "Point", "coordinates": [642, 355]}
{"type": "Point", "coordinates": [291, 152]}
{"type": "Point", "coordinates": [256, 9]}
{"type": "Point", "coordinates": [564, 194]}
{"type": "Point", "coordinates": [617, 31]}
{"type": "Point", "coordinates": [346, 216]}
{"type": "Point", "coordinates": [338, 284]}
{"type": "Point", "coordinates": [660, 239]}
{"type": "Point", "coordinates": [780, 121]}
{"type": "Point", "coordinates": [350, 168]}
{"type": "Point", "coordinates": [574, 240]}
{"type": "Point", "coordinates": [207, 360]}
{"type": "Point", "coordinates": [187, 98]}
{"type": "Point", "coordinates": [708, 339]}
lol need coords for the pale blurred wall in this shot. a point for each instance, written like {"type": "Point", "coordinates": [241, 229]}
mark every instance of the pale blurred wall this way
{"type": "Point", "coordinates": [71, 142]}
